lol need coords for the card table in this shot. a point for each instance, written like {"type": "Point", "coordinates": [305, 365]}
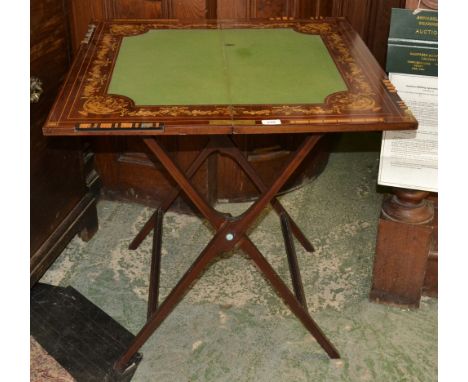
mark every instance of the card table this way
{"type": "Point", "coordinates": [153, 78]}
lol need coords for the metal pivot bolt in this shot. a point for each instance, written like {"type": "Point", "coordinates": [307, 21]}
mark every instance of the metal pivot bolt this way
{"type": "Point", "coordinates": [229, 236]}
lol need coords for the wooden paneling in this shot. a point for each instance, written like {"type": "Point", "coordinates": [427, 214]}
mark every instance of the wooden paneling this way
{"type": "Point", "coordinates": [49, 53]}
{"type": "Point", "coordinates": [58, 194]}
{"type": "Point", "coordinates": [251, 9]}
{"type": "Point", "coordinates": [128, 173]}
{"type": "Point", "coordinates": [379, 27]}
{"type": "Point", "coordinates": [188, 9]}
{"type": "Point", "coordinates": [82, 12]}
{"type": "Point", "coordinates": [267, 154]}
{"type": "Point", "coordinates": [49, 61]}
{"type": "Point", "coordinates": [122, 9]}
{"type": "Point", "coordinates": [272, 8]}
{"type": "Point", "coordinates": [356, 12]}
{"type": "Point", "coordinates": [233, 9]}
{"type": "Point", "coordinates": [371, 19]}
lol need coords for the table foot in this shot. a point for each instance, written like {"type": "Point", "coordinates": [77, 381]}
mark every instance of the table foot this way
{"type": "Point", "coordinates": [126, 373]}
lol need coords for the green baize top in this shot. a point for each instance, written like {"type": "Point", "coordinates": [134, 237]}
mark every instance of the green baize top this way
{"type": "Point", "coordinates": [225, 67]}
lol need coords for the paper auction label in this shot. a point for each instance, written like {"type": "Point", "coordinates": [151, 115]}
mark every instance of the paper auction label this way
{"type": "Point", "coordinates": [271, 121]}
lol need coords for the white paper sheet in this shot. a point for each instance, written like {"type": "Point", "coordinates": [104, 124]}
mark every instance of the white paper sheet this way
{"type": "Point", "coordinates": [408, 158]}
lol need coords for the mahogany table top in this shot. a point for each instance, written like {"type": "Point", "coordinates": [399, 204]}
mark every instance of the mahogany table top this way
{"type": "Point", "coordinates": [167, 77]}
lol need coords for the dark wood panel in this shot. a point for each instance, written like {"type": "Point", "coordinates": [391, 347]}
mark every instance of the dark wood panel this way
{"type": "Point", "coordinates": [52, 197]}
{"type": "Point", "coordinates": [133, 9]}
{"type": "Point", "coordinates": [49, 53]}
{"type": "Point", "coordinates": [82, 220]}
{"type": "Point", "coordinates": [267, 154]}
{"type": "Point", "coordinates": [371, 19]}
{"type": "Point", "coordinates": [378, 27]}
{"type": "Point", "coordinates": [57, 182]}
{"type": "Point", "coordinates": [188, 9]}
{"type": "Point", "coordinates": [233, 9]}
{"type": "Point", "coordinates": [82, 12]}
{"type": "Point", "coordinates": [356, 12]}
{"type": "Point", "coordinates": [251, 9]}
{"type": "Point", "coordinates": [269, 8]}
{"type": "Point", "coordinates": [128, 171]}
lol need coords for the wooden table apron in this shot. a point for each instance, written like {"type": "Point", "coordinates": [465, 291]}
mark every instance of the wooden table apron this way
{"type": "Point", "coordinates": [239, 85]}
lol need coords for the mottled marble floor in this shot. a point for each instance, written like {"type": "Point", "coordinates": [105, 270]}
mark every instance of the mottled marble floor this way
{"type": "Point", "coordinates": [231, 326]}
{"type": "Point", "coordinates": [44, 367]}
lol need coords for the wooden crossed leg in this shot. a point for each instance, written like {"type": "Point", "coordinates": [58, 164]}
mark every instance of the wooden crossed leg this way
{"type": "Point", "coordinates": [230, 233]}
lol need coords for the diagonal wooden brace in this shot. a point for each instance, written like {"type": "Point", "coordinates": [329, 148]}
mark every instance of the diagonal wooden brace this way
{"type": "Point", "coordinates": [224, 145]}
{"type": "Point", "coordinates": [289, 299]}
{"type": "Point", "coordinates": [230, 233]}
{"type": "Point", "coordinates": [173, 194]}
{"type": "Point", "coordinates": [231, 150]}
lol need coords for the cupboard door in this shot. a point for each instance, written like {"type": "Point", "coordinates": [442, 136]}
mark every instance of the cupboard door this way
{"type": "Point", "coordinates": [52, 197]}
{"type": "Point", "coordinates": [57, 183]}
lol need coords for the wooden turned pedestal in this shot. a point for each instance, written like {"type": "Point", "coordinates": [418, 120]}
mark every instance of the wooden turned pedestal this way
{"type": "Point", "coordinates": [408, 206]}
{"type": "Point", "coordinates": [404, 240]}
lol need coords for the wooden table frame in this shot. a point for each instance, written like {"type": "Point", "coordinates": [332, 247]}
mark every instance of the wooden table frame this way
{"type": "Point", "coordinates": [230, 233]}
{"type": "Point", "coordinates": [84, 107]}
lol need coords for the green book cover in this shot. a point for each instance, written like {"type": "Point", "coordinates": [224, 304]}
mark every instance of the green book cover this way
{"type": "Point", "coordinates": [413, 42]}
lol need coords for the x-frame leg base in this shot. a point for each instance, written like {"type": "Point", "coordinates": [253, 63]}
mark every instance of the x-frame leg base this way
{"type": "Point", "coordinates": [230, 233]}
{"type": "Point", "coordinates": [224, 145]}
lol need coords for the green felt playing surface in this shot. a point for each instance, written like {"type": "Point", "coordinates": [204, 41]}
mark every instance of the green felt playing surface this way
{"type": "Point", "coordinates": [230, 66]}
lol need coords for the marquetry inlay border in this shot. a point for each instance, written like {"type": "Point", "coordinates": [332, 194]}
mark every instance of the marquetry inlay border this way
{"type": "Point", "coordinates": [95, 100]}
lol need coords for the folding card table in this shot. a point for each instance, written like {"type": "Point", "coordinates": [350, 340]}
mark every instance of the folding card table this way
{"type": "Point", "coordinates": [155, 78]}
